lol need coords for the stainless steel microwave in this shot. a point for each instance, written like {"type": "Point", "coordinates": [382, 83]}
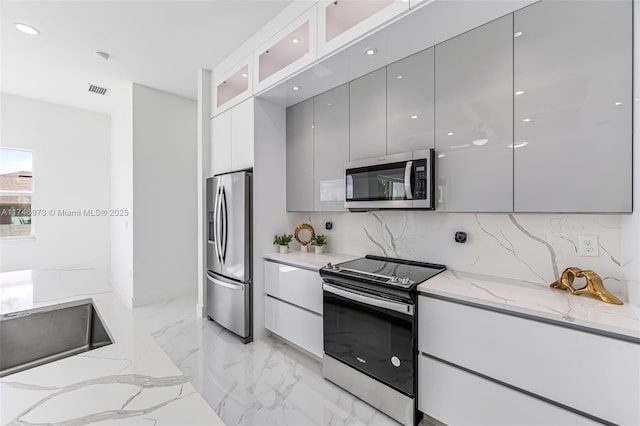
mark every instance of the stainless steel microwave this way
{"type": "Point", "coordinates": [397, 181]}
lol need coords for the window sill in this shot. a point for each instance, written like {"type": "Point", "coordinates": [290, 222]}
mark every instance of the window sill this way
{"type": "Point", "coordinates": [19, 238]}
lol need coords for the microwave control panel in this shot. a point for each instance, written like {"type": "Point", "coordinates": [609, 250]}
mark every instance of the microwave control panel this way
{"type": "Point", "coordinates": [420, 180]}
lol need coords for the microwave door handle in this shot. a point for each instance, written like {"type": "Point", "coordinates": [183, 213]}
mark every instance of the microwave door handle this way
{"type": "Point", "coordinates": [407, 180]}
{"type": "Point", "coordinates": [369, 300]}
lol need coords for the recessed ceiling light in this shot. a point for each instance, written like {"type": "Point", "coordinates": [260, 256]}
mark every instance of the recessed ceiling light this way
{"type": "Point", "coordinates": [518, 34]}
{"type": "Point", "coordinates": [329, 104]}
{"type": "Point", "coordinates": [526, 120]}
{"type": "Point", "coordinates": [399, 77]}
{"type": "Point", "coordinates": [244, 74]}
{"type": "Point", "coordinates": [450, 134]}
{"type": "Point", "coordinates": [27, 29]}
{"type": "Point", "coordinates": [618, 103]}
{"type": "Point", "coordinates": [466, 145]}
{"type": "Point", "coordinates": [370, 51]}
{"type": "Point", "coordinates": [295, 40]}
{"type": "Point", "coordinates": [517, 145]}
{"type": "Point", "coordinates": [441, 155]}
{"type": "Point", "coordinates": [295, 88]}
{"type": "Point", "coordinates": [519, 92]}
{"type": "Point", "coordinates": [414, 116]}
{"type": "Point", "coordinates": [480, 142]}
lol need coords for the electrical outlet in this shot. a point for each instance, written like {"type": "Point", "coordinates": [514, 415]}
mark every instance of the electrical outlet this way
{"type": "Point", "coordinates": [588, 245]}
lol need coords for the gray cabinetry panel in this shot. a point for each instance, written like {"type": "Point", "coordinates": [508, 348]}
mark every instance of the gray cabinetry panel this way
{"type": "Point", "coordinates": [573, 96]}
{"type": "Point", "coordinates": [330, 148]}
{"type": "Point", "coordinates": [300, 156]}
{"type": "Point", "coordinates": [474, 120]}
{"type": "Point", "coordinates": [410, 103]}
{"type": "Point", "coordinates": [368, 116]}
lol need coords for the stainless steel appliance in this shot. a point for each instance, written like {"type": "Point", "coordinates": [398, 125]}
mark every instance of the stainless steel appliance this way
{"type": "Point", "coordinates": [397, 181]}
{"type": "Point", "coordinates": [229, 252]}
{"type": "Point", "coordinates": [370, 331]}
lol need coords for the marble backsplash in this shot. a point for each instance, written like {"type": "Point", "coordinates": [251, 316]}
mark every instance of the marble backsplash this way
{"type": "Point", "coordinates": [529, 247]}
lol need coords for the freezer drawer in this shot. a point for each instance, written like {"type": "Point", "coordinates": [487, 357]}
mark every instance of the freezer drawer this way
{"type": "Point", "coordinates": [229, 304]}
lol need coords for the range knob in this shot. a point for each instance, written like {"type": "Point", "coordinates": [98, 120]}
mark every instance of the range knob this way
{"type": "Point", "coordinates": [406, 280]}
{"type": "Point", "coordinates": [394, 280]}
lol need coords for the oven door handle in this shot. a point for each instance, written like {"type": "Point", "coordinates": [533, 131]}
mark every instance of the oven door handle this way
{"type": "Point", "coordinates": [369, 299]}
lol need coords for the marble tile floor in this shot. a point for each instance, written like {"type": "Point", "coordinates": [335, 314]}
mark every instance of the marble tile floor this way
{"type": "Point", "coordinates": [263, 383]}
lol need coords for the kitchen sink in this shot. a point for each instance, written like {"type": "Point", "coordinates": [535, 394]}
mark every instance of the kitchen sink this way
{"type": "Point", "coordinates": [41, 335]}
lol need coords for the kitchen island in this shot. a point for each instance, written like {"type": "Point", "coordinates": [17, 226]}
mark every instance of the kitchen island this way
{"type": "Point", "coordinates": [131, 381]}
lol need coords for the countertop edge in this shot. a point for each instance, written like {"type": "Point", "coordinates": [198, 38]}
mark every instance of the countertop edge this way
{"type": "Point", "coordinates": [518, 307]}
{"type": "Point", "coordinates": [310, 261]}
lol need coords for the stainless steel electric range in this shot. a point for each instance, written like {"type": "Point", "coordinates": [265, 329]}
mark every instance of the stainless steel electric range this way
{"type": "Point", "coordinates": [370, 331]}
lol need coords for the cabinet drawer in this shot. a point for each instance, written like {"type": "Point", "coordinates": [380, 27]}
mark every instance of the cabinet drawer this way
{"type": "Point", "coordinates": [456, 397]}
{"type": "Point", "coordinates": [298, 286]}
{"type": "Point", "coordinates": [569, 366]}
{"type": "Point", "coordinates": [300, 327]}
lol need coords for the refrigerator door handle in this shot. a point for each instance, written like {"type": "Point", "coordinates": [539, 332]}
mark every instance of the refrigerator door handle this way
{"type": "Point", "coordinates": [235, 287]}
{"type": "Point", "coordinates": [217, 224]}
{"type": "Point", "coordinates": [225, 223]}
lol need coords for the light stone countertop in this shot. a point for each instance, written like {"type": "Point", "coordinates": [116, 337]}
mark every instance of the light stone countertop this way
{"type": "Point", "coordinates": [308, 260]}
{"type": "Point", "coordinates": [537, 300]}
{"type": "Point", "coordinates": [131, 381]}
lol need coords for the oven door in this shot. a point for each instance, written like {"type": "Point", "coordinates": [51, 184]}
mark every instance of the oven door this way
{"type": "Point", "coordinates": [371, 334]}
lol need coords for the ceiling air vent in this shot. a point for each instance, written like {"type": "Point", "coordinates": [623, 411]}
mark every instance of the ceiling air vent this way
{"type": "Point", "coordinates": [97, 89]}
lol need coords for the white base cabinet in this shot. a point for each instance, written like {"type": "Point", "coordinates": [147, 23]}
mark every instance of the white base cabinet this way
{"type": "Point", "coordinates": [300, 327]}
{"type": "Point", "coordinates": [293, 305]}
{"type": "Point", "coordinates": [594, 374]}
{"type": "Point", "coordinates": [456, 397]}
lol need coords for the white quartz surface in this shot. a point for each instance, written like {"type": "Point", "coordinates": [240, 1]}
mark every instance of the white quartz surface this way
{"type": "Point", "coordinates": [536, 299]}
{"type": "Point", "coordinates": [309, 260]}
{"type": "Point", "coordinates": [131, 381]}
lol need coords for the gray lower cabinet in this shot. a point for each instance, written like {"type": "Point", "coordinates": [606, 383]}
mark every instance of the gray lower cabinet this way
{"type": "Point", "coordinates": [330, 148]}
{"type": "Point", "coordinates": [368, 116]}
{"type": "Point", "coordinates": [410, 103]}
{"type": "Point", "coordinates": [573, 107]}
{"type": "Point", "coordinates": [474, 120]}
{"type": "Point", "coordinates": [300, 156]}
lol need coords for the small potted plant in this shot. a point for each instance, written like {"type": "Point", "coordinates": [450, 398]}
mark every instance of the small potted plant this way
{"type": "Point", "coordinates": [282, 241]}
{"type": "Point", "coordinates": [319, 241]}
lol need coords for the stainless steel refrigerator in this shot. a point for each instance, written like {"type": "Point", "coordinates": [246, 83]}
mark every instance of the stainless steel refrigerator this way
{"type": "Point", "coordinates": [229, 252]}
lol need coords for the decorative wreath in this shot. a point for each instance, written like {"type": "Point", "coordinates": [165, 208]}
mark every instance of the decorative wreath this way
{"type": "Point", "coordinates": [308, 228]}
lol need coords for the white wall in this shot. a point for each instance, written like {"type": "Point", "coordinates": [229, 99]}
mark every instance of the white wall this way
{"type": "Point", "coordinates": [71, 171]}
{"type": "Point", "coordinates": [164, 195]}
{"type": "Point", "coordinates": [122, 197]}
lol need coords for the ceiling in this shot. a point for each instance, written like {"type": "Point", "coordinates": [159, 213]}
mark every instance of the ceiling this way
{"type": "Point", "coordinates": [156, 43]}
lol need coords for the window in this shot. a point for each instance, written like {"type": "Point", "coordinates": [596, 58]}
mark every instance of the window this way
{"type": "Point", "coordinates": [16, 190]}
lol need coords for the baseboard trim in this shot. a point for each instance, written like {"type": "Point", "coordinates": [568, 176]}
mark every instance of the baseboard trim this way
{"type": "Point", "coordinates": [201, 310]}
{"type": "Point", "coordinates": [145, 299]}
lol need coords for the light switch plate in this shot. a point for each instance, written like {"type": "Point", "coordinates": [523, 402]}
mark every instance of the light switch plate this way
{"type": "Point", "coordinates": [588, 245]}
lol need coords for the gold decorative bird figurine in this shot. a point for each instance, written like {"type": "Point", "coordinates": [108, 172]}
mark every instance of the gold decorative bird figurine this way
{"type": "Point", "coordinates": [594, 287]}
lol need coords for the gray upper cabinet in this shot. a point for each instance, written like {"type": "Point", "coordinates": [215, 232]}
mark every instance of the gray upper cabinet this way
{"type": "Point", "coordinates": [573, 96]}
{"type": "Point", "coordinates": [368, 116]}
{"type": "Point", "coordinates": [330, 148]}
{"type": "Point", "coordinates": [300, 156]}
{"type": "Point", "coordinates": [474, 120]}
{"type": "Point", "coordinates": [410, 103]}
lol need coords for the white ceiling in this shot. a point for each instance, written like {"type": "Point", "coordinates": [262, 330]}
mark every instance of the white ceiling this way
{"type": "Point", "coordinates": [156, 43]}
